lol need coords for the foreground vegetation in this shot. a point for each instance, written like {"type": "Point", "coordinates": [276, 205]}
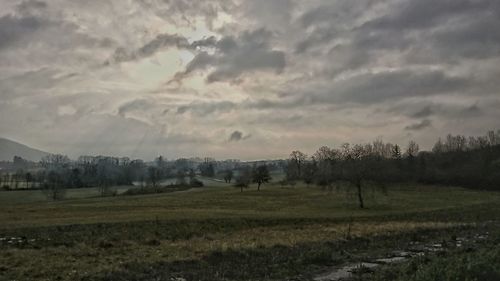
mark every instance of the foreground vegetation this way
{"type": "Point", "coordinates": [220, 233]}
{"type": "Point", "coordinates": [462, 264]}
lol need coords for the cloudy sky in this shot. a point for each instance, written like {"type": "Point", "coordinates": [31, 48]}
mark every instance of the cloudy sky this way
{"type": "Point", "coordinates": [245, 79]}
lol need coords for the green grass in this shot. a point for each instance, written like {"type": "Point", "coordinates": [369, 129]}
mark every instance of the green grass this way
{"type": "Point", "coordinates": [15, 197]}
{"type": "Point", "coordinates": [218, 229]}
{"type": "Point", "coordinates": [228, 202]}
{"type": "Point", "coordinates": [463, 264]}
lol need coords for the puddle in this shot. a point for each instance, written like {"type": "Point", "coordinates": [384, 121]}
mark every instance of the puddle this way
{"type": "Point", "coordinates": [346, 271]}
{"type": "Point", "coordinates": [13, 241]}
{"type": "Point", "coordinates": [391, 260]}
{"type": "Point", "coordinates": [415, 249]}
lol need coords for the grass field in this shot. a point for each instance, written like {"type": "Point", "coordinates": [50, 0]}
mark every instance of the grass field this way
{"type": "Point", "coordinates": [220, 233]}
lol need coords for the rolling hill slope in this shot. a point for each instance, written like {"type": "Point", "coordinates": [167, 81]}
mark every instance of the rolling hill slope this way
{"type": "Point", "coordinates": [9, 149]}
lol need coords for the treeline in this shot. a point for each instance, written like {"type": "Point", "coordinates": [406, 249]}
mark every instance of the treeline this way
{"type": "Point", "coordinates": [472, 162]}
{"type": "Point", "coordinates": [55, 173]}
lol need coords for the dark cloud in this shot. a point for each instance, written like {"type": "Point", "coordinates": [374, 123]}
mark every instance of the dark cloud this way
{"type": "Point", "coordinates": [422, 31]}
{"type": "Point", "coordinates": [238, 136]}
{"type": "Point", "coordinates": [471, 111]}
{"type": "Point", "coordinates": [477, 38]}
{"type": "Point", "coordinates": [330, 21]}
{"type": "Point", "coordinates": [30, 6]}
{"type": "Point", "coordinates": [179, 12]}
{"type": "Point", "coordinates": [419, 126]}
{"type": "Point", "coordinates": [443, 110]}
{"type": "Point", "coordinates": [159, 43]}
{"type": "Point", "coordinates": [424, 112]}
{"type": "Point", "coordinates": [443, 31]}
{"type": "Point", "coordinates": [233, 56]}
{"type": "Point", "coordinates": [14, 28]}
{"type": "Point", "coordinates": [386, 86]}
{"type": "Point", "coordinates": [423, 14]}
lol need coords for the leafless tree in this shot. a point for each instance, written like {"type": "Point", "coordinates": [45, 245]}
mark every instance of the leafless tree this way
{"type": "Point", "coordinates": [261, 175]}
{"type": "Point", "coordinates": [296, 161]}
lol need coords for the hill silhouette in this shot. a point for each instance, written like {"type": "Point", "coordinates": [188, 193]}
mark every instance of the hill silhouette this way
{"type": "Point", "coordinates": [9, 149]}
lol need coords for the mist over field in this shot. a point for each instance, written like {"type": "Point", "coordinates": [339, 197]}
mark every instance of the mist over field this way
{"type": "Point", "coordinates": [261, 140]}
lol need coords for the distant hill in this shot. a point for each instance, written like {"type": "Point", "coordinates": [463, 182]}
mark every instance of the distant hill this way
{"type": "Point", "coordinates": [9, 149]}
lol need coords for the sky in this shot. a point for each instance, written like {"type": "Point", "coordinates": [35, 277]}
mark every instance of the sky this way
{"type": "Point", "coordinates": [248, 79]}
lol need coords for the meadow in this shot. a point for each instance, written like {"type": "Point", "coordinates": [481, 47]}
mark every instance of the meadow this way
{"type": "Point", "coordinates": [220, 233]}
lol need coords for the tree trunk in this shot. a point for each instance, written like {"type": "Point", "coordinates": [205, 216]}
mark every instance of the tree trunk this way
{"type": "Point", "coordinates": [360, 195]}
{"type": "Point", "coordinates": [258, 186]}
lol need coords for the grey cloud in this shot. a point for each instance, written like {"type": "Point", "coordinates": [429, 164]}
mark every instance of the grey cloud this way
{"type": "Point", "coordinates": [238, 136]}
{"type": "Point", "coordinates": [13, 28]}
{"type": "Point", "coordinates": [330, 21]}
{"type": "Point", "coordinates": [422, 14]}
{"type": "Point", "coordinates": [367, 89]}
{"type": "Point", "coordinates": [233, 56]}
{"type": "Point", "coordinates": [280, 119]}
{"type": "Point", "coordinates": [380, 87]}
{"type": "Point", "coordinates": [274, 15]}
{"type": "Point", "coordinates": [471, 111]}
{"type": "Point", "coordinates": [206, 108]}
{"type": "Point", "coordinates": [283, 103]}
{"type": "Point", "coordinates": [424, 112]}
{"type": "Point", "coordinates": [478, 38]}
{"type": "Point", "coordinates": [446, 31]}
{"type": "Point", "coordinates": [335, 11]}
{"type": "Point", "coordinates": [27, 6]}
{"type": "Point", "coordinates": [419, 126]}
{"type": "Point", "coordinates": [207, 42]}
{"type": "Point", "coordinates": [165, 41]}
{"type": "Point", "coordinates": [35, 35]}
{"type": "Point", "coordinates": [200, 61]}
{"type": "Point", "coordinates": [318, 37]}
{"type": "Point", "coordinates": [159, 43]}
{"type": "Point", "coordinates": [33, 82]}
{"type": "Point", "coordinates": [139, 104]}
{"type": "Point", "coordinates": [30, 6]}
{"type": "Point", "coordinates": [425, 109]}
{"type": "Point", "coordinates": [182, 11]}
{"type": "Point", "coordinates": [422, 31]}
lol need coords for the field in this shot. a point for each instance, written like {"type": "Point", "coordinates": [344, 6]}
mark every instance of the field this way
{"type": "Point", "coordinates": [220, 233]}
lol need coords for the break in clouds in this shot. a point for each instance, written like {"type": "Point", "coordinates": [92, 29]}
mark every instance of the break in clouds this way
{"type": "Point", "coordinates": [247, 79]}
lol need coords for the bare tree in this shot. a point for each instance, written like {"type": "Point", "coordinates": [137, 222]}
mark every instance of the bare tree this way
{"type": "Point", "coordinates": [244, 178]}
{"type": "Point", "coordinates": [181, 177]}
{"type": "Point", "coordinates": [28, 178]}
{"type": "Point", "coordinates": [412, 149]}
{"type": "Point", "coordinates": [361, 165]}
{"type": "Point", "coordinates": [228, 176]}
{"type": "Point", "coordinates": [310, 172]}
{"type": "Point", "coordinates": [296, 161]}
{"type": "Point", "coordinates": [261, 175]}
{"type": "Point", "coordinates": [53, 187]}
{"type": "Point", "coordinates": [396, 152]}
{"type": "Point", "coordinates": [326, 158]}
